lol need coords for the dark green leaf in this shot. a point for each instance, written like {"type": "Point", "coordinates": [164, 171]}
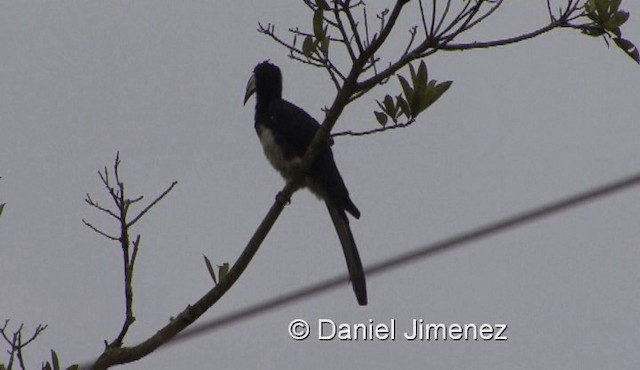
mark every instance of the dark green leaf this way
{"type": "Point", "coordinates": [629, 48]}
{"type": "Point", "coordinates": [613, 6]}
{"type": "Point", "coordinates": [381, 117]}
{"type": "Point", "coordinates": [322, 4]}
{"type": "Point", "coordinates": [619, 18]}
{"type": "Point", "coordinates": [54, 360]}
{"type": "Point", "coordinates": [601, 9]}
{"type": "Point", "coordinates": [593, 31]}
{"type": "Point", "coordinates": [389, 106]}
{"type": "Point", "coordinates": [423, 101]}
{"type": "Point", "coordinates": [404, 106]}
{"type": "Point", "coordinates": [46, 366]}
{"type": "Point", "coordinates": [422, 74]}
{"type": "Point", "coordinates": [2, 208]}
{"type": "Point", "coordinates": [210, 269]}
{"type": "Point", "coordinates": [440, 89]}
{"type": "Point", "coordinates": [308, 46]}
{"type": "Point", "coordinates": [431, 95]}
{"type": "Point", "coordinates": [324, 44]}
{"type": "Point", "coordinates": [223, 270]}
{"type": "Point", "coordinates": [413, 74]}
{"type": "Point", "coordinates": [406, 88]}
{"type": "Point", "coordinates": [318, 20]}
{"type": "Point", "coordinates": [74, 367]}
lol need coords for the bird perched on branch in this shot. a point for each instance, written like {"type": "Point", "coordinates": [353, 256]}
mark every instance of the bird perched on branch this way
{"type": "Point", "coordinates": [285, 132]}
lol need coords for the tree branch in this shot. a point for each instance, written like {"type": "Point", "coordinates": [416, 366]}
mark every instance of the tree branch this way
{"type": "Point", "coordinates": [123, 203]}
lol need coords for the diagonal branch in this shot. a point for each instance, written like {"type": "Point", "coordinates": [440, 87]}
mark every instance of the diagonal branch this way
{"type": "Point", "coordinates": [147, 208]}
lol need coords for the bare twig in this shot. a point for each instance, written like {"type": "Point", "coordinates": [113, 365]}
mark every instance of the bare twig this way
{"type": "Point", "coordinates": [122, 205]}
{"type": "Point", "coordinates": [94, 204]}
{"type": "Point", "coordinates": [17, 344]}
{"type": "Point", "coordinates": [99, 231]}
{"type": "Point", "coordinates": [155, 201]}
{"type": "Point", "coordinates": [424, 21]}
{"type": "Point", "coordinates": [373, 131]}
{"type": "Point", "coordinates": [343, 32]}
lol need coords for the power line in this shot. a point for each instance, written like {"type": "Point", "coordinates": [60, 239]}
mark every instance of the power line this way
{"type": "Point", "coordinates": [428, 250]}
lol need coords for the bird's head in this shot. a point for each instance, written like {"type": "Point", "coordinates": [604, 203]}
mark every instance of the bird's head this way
{"type": "Point", "coordinates": [266, 82]}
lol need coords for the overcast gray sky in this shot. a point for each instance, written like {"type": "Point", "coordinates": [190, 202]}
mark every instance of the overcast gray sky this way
{"type": "Point", "coordinates": [162, 82]}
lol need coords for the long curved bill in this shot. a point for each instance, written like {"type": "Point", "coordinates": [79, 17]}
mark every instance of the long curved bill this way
{"type": "Point", "coordinates": [251, 88]}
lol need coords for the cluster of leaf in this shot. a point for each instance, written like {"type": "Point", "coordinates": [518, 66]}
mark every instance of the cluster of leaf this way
{"type": "Point", "coordinates": [607, 19]}
{"type": "Point", "coordinates": [319, 42]}
{"type": "Point", "coordinates": [416, 96]}
{"type": "Point", "coordinates": [222, 270]}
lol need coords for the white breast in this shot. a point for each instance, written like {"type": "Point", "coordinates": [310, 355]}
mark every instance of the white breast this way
{"type": "Point", "coordinates": [275, 155]}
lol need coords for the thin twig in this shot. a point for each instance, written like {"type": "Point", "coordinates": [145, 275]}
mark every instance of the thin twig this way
{"type": "Point", "coordinates": [375, 130]}
{"type": "Point", "coordinates": [343, 32]}
{"type": "Point", "coordinates": [94, 204]}
{"type": "Point", "coordinates": [147, 208]}
{"type": "Point", "coordinates": [424, 21]}
{"type": "Point", "coordinates": [100, 231]}
{"type": "Point", "coordinates": [129, 255]}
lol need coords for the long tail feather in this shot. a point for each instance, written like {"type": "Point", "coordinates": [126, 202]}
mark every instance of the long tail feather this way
{"type": "Point", "coordinates": [356, 272]}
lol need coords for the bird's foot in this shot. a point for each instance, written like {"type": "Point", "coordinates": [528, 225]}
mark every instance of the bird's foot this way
{"type": "Point", "coordinates": [282, 200]}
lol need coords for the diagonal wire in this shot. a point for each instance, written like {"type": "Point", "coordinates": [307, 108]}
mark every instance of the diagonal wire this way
{"type": "Point", "coordinates": [416, 255]}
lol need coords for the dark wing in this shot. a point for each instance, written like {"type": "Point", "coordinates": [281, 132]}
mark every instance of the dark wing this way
{"type": "Point", "coordinates": [295, 129]}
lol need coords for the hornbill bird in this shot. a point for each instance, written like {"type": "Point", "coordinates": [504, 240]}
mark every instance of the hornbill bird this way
{"type": "Point", "coordinates": [285, 132]}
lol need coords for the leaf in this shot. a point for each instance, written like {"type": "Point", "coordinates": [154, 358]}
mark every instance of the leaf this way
{"type": "Point", "coordinates": [594, 31]}
{"type": "Point", "coordinates": [74, 367]}
{"type": "Point", "coordinates": [381, 117]}
{"type": "Point", "coordinates": [629, 48]}
{"type": "Point", "coordinates": [406, 88]}
{"type": "Point", "coordinates": [308, 46]}
{"type": "Point", "coordinates": [442, 87]}
{"type": "Point", "coordinates": [418, 100]}
{"type": "Point", "coordinates": [324, 44]}
{"type": "Point", "coordinates": [404, 106]}
{"type": "Point", "coordinates": [54, 360]}
{"type": "Point", "coordinates": [601, 9]}
{"type": "Point", "coordinates": [614, 5]}
{"type": "Point", "coordinates": [389, 106]}
{"type": "Point", "coordinates": [210, 269]}
{"type": "Point", "coordinates": [422, 74]}
{"type": "Point", "coordinates": [432, 93]}
{"type": "Point", "coordinates": [619, 18]}
{"type": "Point", "coordinates": [321, 4]}
{"type": "Point", "coordinates": [413, 74]}
{"type": "Point", "coordinates": [223, 270]}
{"type": "Point", "coordinates": [1, 208]}
{"type": "Point", "coordinates": [318, 20]}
